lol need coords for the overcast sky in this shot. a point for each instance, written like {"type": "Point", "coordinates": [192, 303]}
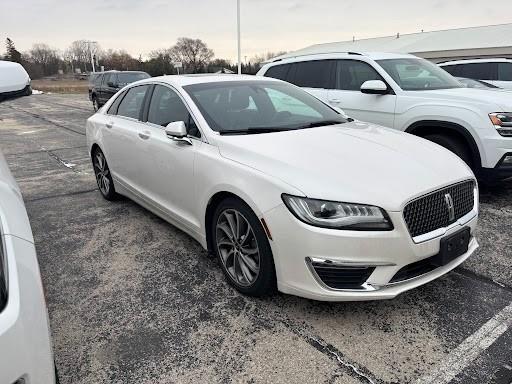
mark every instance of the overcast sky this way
{"type": "Point", "coordinates": [140, 26]}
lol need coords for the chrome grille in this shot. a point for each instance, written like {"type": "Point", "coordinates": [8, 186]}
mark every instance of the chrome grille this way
{"type": "Point", "coordinates": [430, 212]}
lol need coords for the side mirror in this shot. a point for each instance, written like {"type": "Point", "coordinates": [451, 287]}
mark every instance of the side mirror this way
{"type": "Point", "coordinates": [374, 87]}
{"type": "Point", "coordinates": [111, 84]}
{"type": "Point", "coordinates": [177, 131]}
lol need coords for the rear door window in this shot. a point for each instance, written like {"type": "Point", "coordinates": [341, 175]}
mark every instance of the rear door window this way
{"type": "Point", "coordinates": [454, 70]}
{"type": "Point", "coordinates": [505, 71]}
{"type": "Point", "coordinates": [351, 74]}
{"type": "Point", "coordinates": [480, 71]}
{"type": "Point", "coordinates": [278, 71]}
{"type": "Point", "coordinates": [313, 74]}
{"type": "Point", "coordinates": [131, 105]}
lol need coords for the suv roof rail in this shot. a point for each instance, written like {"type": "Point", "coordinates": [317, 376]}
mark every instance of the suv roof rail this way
{"type": "Point", "coordinates": [476, 58]}
{"type": "Point", "coordinates": [314, 54]}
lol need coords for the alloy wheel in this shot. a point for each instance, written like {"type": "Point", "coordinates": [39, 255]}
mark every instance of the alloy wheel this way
{"type": "Point", "coordinates": [238, 247]}
{"type": "Point", "coordinates": [102, 173]}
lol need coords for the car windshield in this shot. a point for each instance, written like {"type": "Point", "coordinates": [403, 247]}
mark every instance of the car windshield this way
{"type": "Point", "coordinates": [471, 83]}
{"type": "Point", "coordinates": [130, 77]}
{"type": "Point", "coordinates": [418, 74]}
{"type": "Point", "coordinates": [259, 107]}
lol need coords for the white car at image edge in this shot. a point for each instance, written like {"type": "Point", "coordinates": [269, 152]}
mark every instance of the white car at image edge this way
{"type": "Point", "coordinates": [284, 190]}
{"type": "Point", "coordinates": [14, 80]}
{"type": "Point", "coordinates": [26, 355]}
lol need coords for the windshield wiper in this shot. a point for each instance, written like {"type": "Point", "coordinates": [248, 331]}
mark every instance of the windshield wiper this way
{"type": "Point", "coordinates": [320, 123]}
{"type": "Point", "coordinates": [254, 130]}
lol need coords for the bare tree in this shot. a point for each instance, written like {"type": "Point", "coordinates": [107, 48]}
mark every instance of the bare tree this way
{"type": "Point", "coordinates": [193, 53]}
{"type": "Point", "coordinates": [120, 60]}
{"type": "Point", "coordinates": [45, 56]}
{"type": "Point", "coordinates": [79, 54]}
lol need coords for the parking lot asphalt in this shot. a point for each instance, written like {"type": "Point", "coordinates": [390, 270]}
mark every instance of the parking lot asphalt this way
{"type": "Point", "coordinates": [134, 300]}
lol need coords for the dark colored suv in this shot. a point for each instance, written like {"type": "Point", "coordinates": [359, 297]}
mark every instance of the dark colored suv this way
{"type": "Point", "coordinates": [104, 85]}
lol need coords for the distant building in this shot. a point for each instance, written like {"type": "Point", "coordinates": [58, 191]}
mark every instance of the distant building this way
{"type": "Point", "coordinates": [451, 44]}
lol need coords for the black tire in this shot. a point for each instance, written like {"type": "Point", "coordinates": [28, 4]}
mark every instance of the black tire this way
{"type": "Point", "coordinates": [28, 90]}
{"type": "Point", "coordinates": [454, 145]}
{"type": "Point", "coordinates": [265, 283]}
{"type": "Point", "coordinates": [95, 103]}
{"type": "Point", "coordinates": [57, 380]}
{"type": "Point", "coordinates": [103, 175]}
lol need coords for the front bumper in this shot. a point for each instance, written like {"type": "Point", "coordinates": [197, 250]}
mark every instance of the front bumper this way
{"type": "Point", "coordinates": [502, 170]}
{"type": "Point", "coordinates": [25, 344]}
{"type": "Point", "coordinates": [294, 243]}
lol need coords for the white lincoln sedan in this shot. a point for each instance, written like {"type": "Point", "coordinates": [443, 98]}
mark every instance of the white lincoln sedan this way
{"type": "Point", "coordinates": [286, 191]}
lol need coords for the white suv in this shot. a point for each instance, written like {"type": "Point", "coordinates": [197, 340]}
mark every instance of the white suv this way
{"type": "Point", "coordinates": [413, 95]}
{"type": "Point", "coordinates": [497, 72]}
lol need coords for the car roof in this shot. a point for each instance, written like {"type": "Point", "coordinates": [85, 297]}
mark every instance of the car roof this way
{"type": "Point", "coordinates": [340, 55]}
{"type": "Point", "coordinates": [474, 61]}
{"type": "Point", "coordinates": [184, 80]}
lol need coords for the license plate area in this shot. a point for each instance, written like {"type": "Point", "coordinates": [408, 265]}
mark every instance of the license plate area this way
{"type": "Point", "coordinates": [453, 246]}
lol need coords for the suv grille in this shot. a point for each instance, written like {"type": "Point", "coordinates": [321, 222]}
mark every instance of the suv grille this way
{"type": "Point", "coordinates": [430, 212]}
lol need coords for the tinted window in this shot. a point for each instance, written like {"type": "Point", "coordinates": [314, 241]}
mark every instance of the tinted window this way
{"type": "Point", "coordinates": [166, 107]}
{"type": "Point", "coordinates": [109, 77]}
{"type": "Point", "coordinates": [313, 74]}
{"type": "Point", "coordinates": [351, 74]}
{"type": "Point", "coordinates": [418, 74]}
{"type": "Point", "coordinates": [505, 71]}
{"type": "Point", "coordinates": [479, 71]}
{"type": "Point", "coordinates": [132, 102]}
{"type": "Point", "coordinates": [278, 72]}
{"type": "Point", "coordinates": [268, 105]}
{"type": "Point", "coordinates": [115, 105]}
{"type": "Point", "coordinates": [124, 78]}
{"type": "Point", "coordinates": [454, 70]}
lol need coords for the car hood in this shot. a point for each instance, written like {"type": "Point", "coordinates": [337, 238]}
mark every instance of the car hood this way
{"type": "Point", "coordinates": [353, 162]}
{"type": "Point", "coordinates": [494, 98]}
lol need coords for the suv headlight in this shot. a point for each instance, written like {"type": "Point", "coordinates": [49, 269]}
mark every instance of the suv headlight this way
{"type": "Point", "coordinates": [3, 275]}
{"type": "Point", "coordinates": [503, 122]}
{"type": "Point", "coordinates": [337, 215]}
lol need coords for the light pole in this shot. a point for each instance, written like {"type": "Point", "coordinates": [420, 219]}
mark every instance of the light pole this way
{"type": "Point", "coordinates": [89, 43]}
{"type": "Point", "coordinates": [238, 33]}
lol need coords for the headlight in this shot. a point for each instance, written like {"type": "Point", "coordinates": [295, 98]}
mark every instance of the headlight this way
{"type": "Point", "coordinates": [503, 122]}
{"type": "Point", "coordinates": [3, 276]}
{"type": "Point", "coordinates": [336, 215]}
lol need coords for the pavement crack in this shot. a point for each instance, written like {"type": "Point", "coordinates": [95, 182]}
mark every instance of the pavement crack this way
{"type": "Point", "coordinates": [472, 275]}
{"type": "Point", "coordinates": [60, 195]}
{"type": "Point", "coordinates": [45, 119]}
{"type": "Point", "coordinates": [330, 350]}
{"type": "Point", "coordinates": [361, 373]}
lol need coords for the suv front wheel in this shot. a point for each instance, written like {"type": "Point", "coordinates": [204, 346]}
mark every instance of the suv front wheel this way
{"type": "Point", "coordinates": [454, 145]}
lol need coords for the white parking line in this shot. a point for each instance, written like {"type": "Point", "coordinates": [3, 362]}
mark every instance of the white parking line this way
{"type": "Point", "coordinates": [470, 348]}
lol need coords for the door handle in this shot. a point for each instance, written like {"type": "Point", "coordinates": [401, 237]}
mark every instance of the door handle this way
{"type": "Point", "coordinates": [335, 101]}
{"type": "Point", "coordinates": [109, 125]}
{"type": "Point", "coordinates": [144, 135]}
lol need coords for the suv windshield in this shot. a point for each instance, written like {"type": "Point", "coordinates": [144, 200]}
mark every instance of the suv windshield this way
{"type": "Point", "coordinates": [124, 78]}
{"type": "Point", "coordinates": [259, 107]}
{"type": "Point", "coordinates": [418, 74]}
